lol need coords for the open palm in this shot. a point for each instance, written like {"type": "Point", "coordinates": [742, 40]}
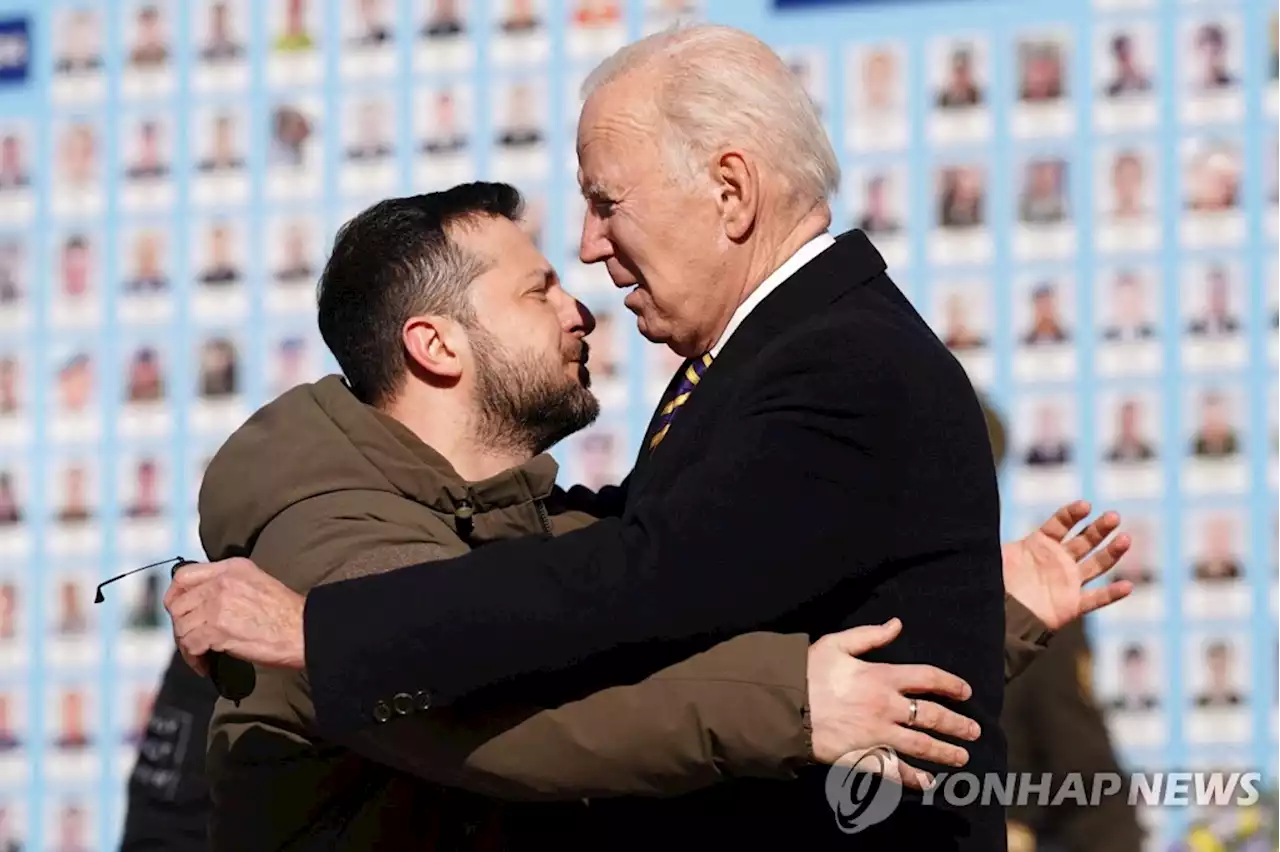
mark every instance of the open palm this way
{"type": "Point", "coordinates": [1047, 575]}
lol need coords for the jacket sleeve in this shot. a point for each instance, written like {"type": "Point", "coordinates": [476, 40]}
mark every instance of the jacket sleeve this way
{"type": "Point", "coordinates": [1025, 637]}
{"type": "Point", "coordinates": [674, 568]}
{"type": "Point", "coordinates": [738, 709]}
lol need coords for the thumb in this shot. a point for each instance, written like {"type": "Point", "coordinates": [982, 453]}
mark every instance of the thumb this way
{"type": "Point", "coordinates": [859, 640]}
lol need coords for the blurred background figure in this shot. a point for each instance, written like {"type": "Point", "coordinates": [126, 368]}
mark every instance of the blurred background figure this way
{"type": "Point", "coordinates": [146, 379]}
{"type": "Point", "coordinates": [1127, 76]}
{"type": "Point", "coordinates": [961, 88]}
{"type": "Point", "coordinates": [1215, 438]}
{"type": "Point", "coordinates": [962, 198]}
{"type": "Point", "coordinates": [1131, 443]}
{"type": "Point", "coordinates": [81, 42]}
{"type": "Point", "coordinates": [220, 43]}
{"type": "Point", "coordinates": [1217, 559]}
{"type": "Point", "coordinates": [150, 44]}
{"type": "Point", "coordinates": [1211, 48]}
{"type": "Point", "coordinates": [1053, 724]}
{"type": "Point", "coordinates": [1130, 320]}
{"type": "Point", "coordinates": [1046, 320]}
{"type": "Point", "coordinates": [218, 369]}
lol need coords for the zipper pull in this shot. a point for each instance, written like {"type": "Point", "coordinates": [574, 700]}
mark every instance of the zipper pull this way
{"type": "Point", "coordinates": [463, 520]}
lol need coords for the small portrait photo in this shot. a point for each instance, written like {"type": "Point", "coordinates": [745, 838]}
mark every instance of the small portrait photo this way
{"type": "Point", "coordinates": [1142, 564]}
{"type": "Point", "coordinates": [1126, 67]}
{"type": "Point", "coordinates": [75, 486]}
{"type": "Point", "coordinates": [444, 19]}
{"type": "Point", "coordinates": [1127, 305]}
{"type": "Point", "coordinates": [1042, 199]}
{"type": "Point", "coordinates": [13, 277]}
{"type": "Point", "coordinates": [961, 197]}
{"type": "Point", "coordinates": [598, 458]}
{"type": "Point", "coordinates": [1217, 546]}
{"type": "Point", "coordinates": [809, 68]}
{"type": "Point", "coordinates": [1126, 188]}
{"type": "Point", "coordinates": [221, 140]}
{"type": "Point", "coordinates": [1216, 419]}
{"type": "Point", "coordinates": [13, 511]}
{"type": "Point", "coordinates": [521, 120]}
{"type": "Point", "coordinates": [296, 26]}
{"type": "Point", "coordinates": [77, 37]}
{"type": "Point", "coordinates": [878, 201]}
{"type": "Point", "coordinates": [876, 103]}
{"type": "Point", "coordinates": [1129, 428]}
{"type": "Point", "coordinates": [369, 139]}
{"type": "Point", "coordinates": [368, 39]}
{"type": "Point", "coordinates": [960, 74]}
{"type": "Point", "coordinates": [75, 384]}
{"type": "Point", "coordinates": [15, 158]}
{"type": "Point", "coordinates": [1045, 432]}
{"type": "Point", "coordinates": [13, 727]}
{"type": "Point", "coordinates": [144, 488]}
{"type": "Point", "coordinates": [1217, 677]}
{"type": "Point", "coordinates": [1212, 176]}
{"type": "Point", "coordinates": [963, 320]}
{"type": "Point", "coordinates": [293, 360]}
{"type": "Point", "coordinates": [219, 253]}
{"type": "Point", "coordinates": [11, 616]}
{"type": "Point", "coordinates": [1042, 69]}
{"type": "Point", "coordinates": [148, 149]}
{"type": "Point", "coordinates": [146, 264]}
{"type": "Point", "coordinates": [369, 24]}
{"type": "Point", "coordinates": [77, 172]}
{"type": "Point", "coordinates": [597, 28]}
{"type": "Point", "coordinates": [1212, 70]}
{"type": "Point", "coordinates": [145, 382]}
{"type": "Point", "coordinates": [13, 387]}
{"type": "Point", "coordinates": [1044, 318]}
{"type": "Point", "coordinates": [76, 273]}
{"type": "Point", "coordinates": [294, 259]}
{"type": "Point", "coordinates": [220, 37]}
{"type": "Point", "coordinates": [443, 121]}
{"type": "Point", "coordinates": [520, 35]}
{"type": "Point", "coordinates": [443, 43]}
{"type": "Point", "coordinates": [71, 617]}
{"type": "Point", "coordinates": [296, 150]}
{"type": "Point", "coordinates": [1213, 304]}
{"type": "Point", "coordinates": [70, 824]}
{"type": "Point", "coordinates": [1047, 311]}
{"type": "Point", "coordinates": [219, 369]}
{"type": "Point", "coordinates": [1135, 674]}
{"type": "Point", "coordinates": [149, 36]}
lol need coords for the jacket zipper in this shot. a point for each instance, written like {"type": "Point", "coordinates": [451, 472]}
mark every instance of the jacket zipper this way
{"type": "Point", "coordinates": [542, 516]}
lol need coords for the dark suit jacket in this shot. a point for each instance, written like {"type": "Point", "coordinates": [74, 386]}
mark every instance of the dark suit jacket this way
{"type": "Point", "coordinates": [831, 469]}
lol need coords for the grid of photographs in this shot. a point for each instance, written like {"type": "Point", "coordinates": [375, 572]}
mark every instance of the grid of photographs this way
{"type": "Point", "coordinates": [1082, 202]}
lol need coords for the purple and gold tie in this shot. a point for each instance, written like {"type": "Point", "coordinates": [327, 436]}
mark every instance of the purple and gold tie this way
{"type": "Point", "coordinates": [692, 375]}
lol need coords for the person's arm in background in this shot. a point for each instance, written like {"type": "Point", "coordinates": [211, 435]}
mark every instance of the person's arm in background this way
{"type": "Point", "coordinates": [168, 796]}
{"type": "Point", "coordinates": [1054, 726]}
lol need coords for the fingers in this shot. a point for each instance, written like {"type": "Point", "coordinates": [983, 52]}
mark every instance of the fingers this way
{"type": "Point", "coordinates": [1106, 559]}
{"type": "Point", "coordinates": [936, 718]}
{"type": "Point", "coordinates": [921, 679]}
{"type": "Point", "coordinates": [1065, 519]}
{"type": "Point", "coordinates": [1093, 535]}
{"type": "Point", "coordinates": [1095, 599]}
{"type": "Point", "coordinates": [859, 640]}
{"type": "Point", "coordinates": [916, 779]}
{"type": "Point", "coordinates": [920, 745]}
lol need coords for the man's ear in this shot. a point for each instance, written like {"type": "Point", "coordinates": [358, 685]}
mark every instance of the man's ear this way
{"type": "Point", "coordinates": [433, 346]}
{"type": "Point", "coordinates": [738, 193]}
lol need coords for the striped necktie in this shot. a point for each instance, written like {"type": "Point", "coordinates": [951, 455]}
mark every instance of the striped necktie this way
{"type": "Point", "coordinates": [692, 375]}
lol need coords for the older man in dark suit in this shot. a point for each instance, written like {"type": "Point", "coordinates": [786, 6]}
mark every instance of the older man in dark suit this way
{"type": "Point", "coordinates": [819, 461]}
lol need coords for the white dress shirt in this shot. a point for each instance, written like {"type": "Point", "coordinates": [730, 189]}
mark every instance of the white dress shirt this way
{"type": "Point", "coordinates": [791, 266]}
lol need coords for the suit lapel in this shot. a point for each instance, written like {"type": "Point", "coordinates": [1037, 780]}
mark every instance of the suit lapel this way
{"type": "Point", "coordinates": [829, 276]}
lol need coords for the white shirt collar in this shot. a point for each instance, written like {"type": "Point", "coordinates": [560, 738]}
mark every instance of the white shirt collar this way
{"type": "Point", "coordinates": [803, 255]}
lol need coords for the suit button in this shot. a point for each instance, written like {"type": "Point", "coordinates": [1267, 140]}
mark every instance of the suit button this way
{"type": "Point", "coordinates": [423, 700]}
{"type": "Point", "coordinates": [381, 711]}
{"type": "Point", "coordinates": [403, 703]}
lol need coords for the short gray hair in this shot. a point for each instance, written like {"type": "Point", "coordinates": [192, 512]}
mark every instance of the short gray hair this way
{"type": "Point", "coordinates": [722, 86]}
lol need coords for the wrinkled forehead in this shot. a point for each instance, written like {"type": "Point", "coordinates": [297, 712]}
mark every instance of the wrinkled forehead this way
{"type": "Point", "coordinates": [617, 136]}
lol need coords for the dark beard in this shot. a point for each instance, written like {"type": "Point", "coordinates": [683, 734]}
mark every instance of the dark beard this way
{"type": "Point", "coordinates": [526, 405]}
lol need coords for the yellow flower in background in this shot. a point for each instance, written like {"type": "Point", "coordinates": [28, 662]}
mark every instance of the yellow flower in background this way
{"type": "Point", "coordinates": [1202, 840]}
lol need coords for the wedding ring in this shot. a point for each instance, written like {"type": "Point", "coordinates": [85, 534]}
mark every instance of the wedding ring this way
{"type": "Point", "coordinates": [911, 718]}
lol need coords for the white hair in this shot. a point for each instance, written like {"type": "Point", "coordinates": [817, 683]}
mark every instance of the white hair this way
{"type": "Point", "coordinates": [721, 86]}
